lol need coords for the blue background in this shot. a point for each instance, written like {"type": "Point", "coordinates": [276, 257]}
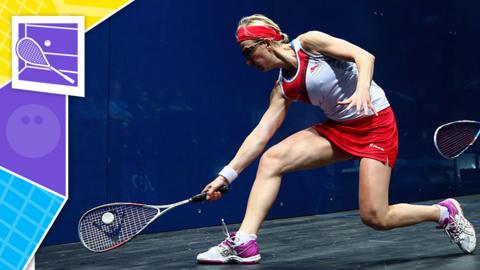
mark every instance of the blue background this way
{"type": "Point", "coordinates": [169, 100]}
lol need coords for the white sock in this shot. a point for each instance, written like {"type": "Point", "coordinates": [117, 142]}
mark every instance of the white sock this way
{"type": "Point", "coordinates": [245, 237]}
{"type": "Point", "coordinates": [443, 213]}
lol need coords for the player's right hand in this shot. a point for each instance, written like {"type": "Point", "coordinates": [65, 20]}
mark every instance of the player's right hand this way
{"type": "Point", "coordinates": [212, 189]}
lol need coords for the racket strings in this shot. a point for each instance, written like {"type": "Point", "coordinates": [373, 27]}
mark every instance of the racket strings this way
{"type": "Point", "coordinates": [459, 139]}
{"type": "Point", "coordinates": [129, 221]}
{"type": "Point", "coordinates": [31, 52]}
{"type": "Point", "coordinates": [454, 140]}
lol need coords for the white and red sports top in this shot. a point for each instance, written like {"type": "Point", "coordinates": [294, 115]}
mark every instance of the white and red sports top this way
{"type": "Point", "coordinates": [323, 81]}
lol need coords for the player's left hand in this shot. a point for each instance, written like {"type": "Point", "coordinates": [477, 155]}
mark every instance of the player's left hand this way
{"type": "Point", "coordinates": [361, 101]}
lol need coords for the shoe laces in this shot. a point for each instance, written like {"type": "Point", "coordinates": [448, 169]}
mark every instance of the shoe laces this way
{"type": "Point", "coordinates": [229, 242]}
{"type": "Point", "coordinates": [455, 228]}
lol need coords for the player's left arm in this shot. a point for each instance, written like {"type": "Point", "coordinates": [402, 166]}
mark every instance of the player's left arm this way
{"type": "Point", "coordinates": [317, 42]}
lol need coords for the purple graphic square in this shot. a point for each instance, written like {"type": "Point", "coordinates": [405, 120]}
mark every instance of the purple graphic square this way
{"type": "Point", "coordinates": [33, 136]}
{"type": "Point", "coordinates": [54, 57]}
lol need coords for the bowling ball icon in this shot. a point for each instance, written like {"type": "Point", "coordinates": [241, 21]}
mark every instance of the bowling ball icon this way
{"type": "Point", "coordinates": [33, 131]}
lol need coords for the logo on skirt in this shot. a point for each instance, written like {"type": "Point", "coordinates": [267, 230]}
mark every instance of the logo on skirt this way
{"type": "Point", "coordinates": [377, 147]}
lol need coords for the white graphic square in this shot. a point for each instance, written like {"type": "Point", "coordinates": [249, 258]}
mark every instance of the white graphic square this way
{"type": "Point", "coordinates": [48, 54]}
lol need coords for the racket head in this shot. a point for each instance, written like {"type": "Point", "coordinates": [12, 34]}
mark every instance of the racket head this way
{"type": "Point", "coordinates": [30, 51]}
{"type": "Point", "coordinates": [129, 219]}
{"type": "Point", "coordinates": [454, 138]}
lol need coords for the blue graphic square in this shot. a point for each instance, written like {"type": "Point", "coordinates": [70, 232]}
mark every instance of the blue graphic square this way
{"type": "Point", "coordinates": [23, 187]}
{"type": "Point", "coordinates": [46, 223]}
{"type": "Point", "coordinates": [18, 241]}
{"type": "Point", "coordinates": [31, 248]}
{"type": "Point", "coordinates": [14, 200]}
{"type": "Point", "coordinates": [39, 235]}
{"type": "Point", "coordinates": [4, 230]}
{"type": "Point", "coordinates": [56, 205]}
{"type": "Point", "coordinates": [4, 176]}
{"type": "Point", "coordinates": [33, 213]}
{"type": "Point", "coordinates": [4, 265]}
{"type": "Point", "coordinates": [41, 198]}
{"type": "Point", "coordinates": [11, 256]}
{"type": "Point", "coordinates": [26, 227]}
{"type": "Point", "coordinates": [7, 215]}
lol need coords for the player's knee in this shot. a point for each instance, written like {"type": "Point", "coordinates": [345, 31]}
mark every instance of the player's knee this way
{"type": "Point", "coordinates": [271, 162]}
{"type": "Point", "coordinates": [375, 220]}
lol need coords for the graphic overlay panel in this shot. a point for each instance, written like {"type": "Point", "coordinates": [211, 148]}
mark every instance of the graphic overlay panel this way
{"type": "Point", "coordinates": [34, 125]}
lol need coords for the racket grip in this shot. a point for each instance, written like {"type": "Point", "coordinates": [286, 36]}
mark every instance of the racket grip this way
{"type": "Point", "coordinates": [203, 196]}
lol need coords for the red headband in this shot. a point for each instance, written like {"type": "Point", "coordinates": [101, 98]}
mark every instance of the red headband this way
{"type": "Point", "coordinates": [257, 32]}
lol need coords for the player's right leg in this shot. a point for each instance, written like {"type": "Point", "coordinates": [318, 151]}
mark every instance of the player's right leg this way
{"type": "Point", "coordinates": [303, 150]}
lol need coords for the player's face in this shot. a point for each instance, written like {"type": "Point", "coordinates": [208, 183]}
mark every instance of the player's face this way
{"type": "Point", "coordinates": [256, 54]}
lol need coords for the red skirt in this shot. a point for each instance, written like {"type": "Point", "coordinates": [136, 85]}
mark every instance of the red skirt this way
{"type": "Point", "coordinates": [374, 137]}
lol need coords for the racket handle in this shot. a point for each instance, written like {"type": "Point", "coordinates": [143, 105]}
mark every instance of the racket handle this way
{"type": "Point", "coordinates": [203, 196]}
{"type": "Point", "coordinates": [70, 80]}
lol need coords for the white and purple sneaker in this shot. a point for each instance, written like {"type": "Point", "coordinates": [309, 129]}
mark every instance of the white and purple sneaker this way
{"type": "Point", "coordinates": [457, 227]}
{"type": "Point", "coordinates": [231, 250]}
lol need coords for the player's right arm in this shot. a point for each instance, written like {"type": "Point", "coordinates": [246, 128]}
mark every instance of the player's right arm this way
{"type": "Point", "coordinates": [256, 141]}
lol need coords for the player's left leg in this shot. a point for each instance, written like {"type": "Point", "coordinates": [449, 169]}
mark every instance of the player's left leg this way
{"type": "Point", "coordinates": [376, 212]}
{"type": "Point", "coordinates": [373, 200]}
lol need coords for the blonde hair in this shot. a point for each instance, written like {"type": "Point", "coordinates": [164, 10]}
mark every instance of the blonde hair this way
{"type": "Point", "coordinates": [259, 19]}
